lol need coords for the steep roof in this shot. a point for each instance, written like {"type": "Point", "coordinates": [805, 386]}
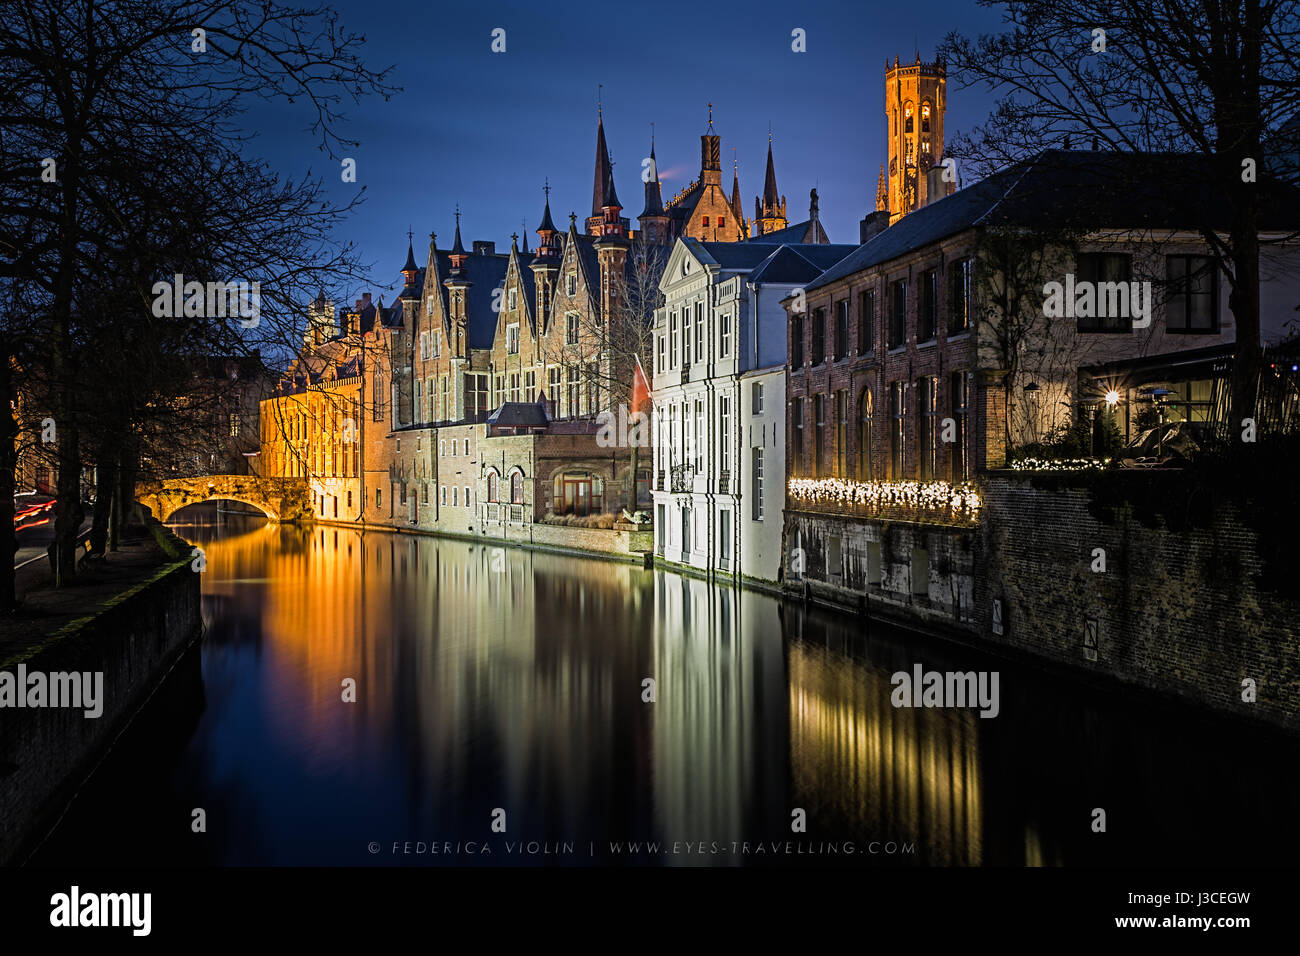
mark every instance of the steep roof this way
{"type": "Point", "coordinates": [485, 272]}
{"type": "Point", "coordinates": [1076, 189]}
{"type": "Point", "coordinates": [519, 414]}
{"type": "Point", "coordinates": [800, 232]}
{"type": "Point", "coordinates": [799, 263]}
{"type": "Point", "coordinates": [770, 195]}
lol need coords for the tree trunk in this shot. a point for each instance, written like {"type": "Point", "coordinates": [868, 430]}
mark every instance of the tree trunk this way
{"type": "Point", "coordinates": [8, 463]}
{"type": "Point", "coordinates": [106, 486]}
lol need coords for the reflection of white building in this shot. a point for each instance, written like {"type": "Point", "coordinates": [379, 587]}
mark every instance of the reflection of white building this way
{"type": "Point", "coordinates": [719, 397]}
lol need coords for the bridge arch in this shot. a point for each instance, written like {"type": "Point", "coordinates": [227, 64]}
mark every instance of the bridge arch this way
{"type": "Point", "coordinates": [280, 499]}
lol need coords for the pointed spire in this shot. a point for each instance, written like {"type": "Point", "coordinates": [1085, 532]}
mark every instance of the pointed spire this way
{"type": "Point", "coordinates": [547, 225]}
{"type": "Point", "coordinates": [410, 252]}
{"type": "Point", "coordinates": [771, 198]}
{"type": "Point", "coordinates": [458, 248]}
{"type": "Point", "coordinates": [654, 200]}
{"type": "Point", "coordinates": [524, 223]}
{"type": "Point", "coordinates": [611, 197]}
{"type": "Point", "coordinates": [735, 186]}
{"type": "Point", "coordinates": [602, 178]}
{"type": "Point", "coordinates": [882, 191]}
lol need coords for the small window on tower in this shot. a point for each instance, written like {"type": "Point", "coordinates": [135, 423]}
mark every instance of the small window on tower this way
{"type": "Point", "coordinates": [907, 118]}
{"type": "Point", "coordinates": [925, 118]}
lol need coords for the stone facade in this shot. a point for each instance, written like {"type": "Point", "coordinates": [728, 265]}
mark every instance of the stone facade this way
{"type": "Point", "coordinates": [1110, 575]}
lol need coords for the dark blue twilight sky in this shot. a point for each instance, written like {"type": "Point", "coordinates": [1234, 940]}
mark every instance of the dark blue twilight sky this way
{"type": "Point", "coordinates": [486, 129]}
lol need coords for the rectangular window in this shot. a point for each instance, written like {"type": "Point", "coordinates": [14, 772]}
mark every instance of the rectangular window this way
{"type": "Point", "coordinates": [898, 314]}
{"type": "Point", "coordinates": [756, 482]}
{"type": "Point", "coordinates": [514, 386]}
{"type": "Point", "coordinates": [444, 495]}
{"type": "Point", "coordinates": [466, 447]}
{"type": "Point", "coordinates": [455, 496]}
{"type": "Point", "coordinates": [435, 343]}
{"type": "Point", "coordinates": [686, 337]}
{"type": "Point", "coordinates": [699, 435]}
{"type": "Point", "coordinates": [672, 338]}
{"type": "Point", "coordinates": [927, 406]}
{"type": "Point", "coordinates": [530, 386]}
{"type": "Point", "coordinates": [724, 534]}
{"type": "Point", "coordinates": [662, 366]}
{"type": "Point", "coordinates": [553, 388]}
{"type": "Point", "coordinates": [841, 329]}
{"type": "Point", "coordinates": [928, 312]}
{"type": "Point", "coordinates": [796, 342]}
{"type": "Point", "coordinates": [466, 499]}
{"type": "Point", "coordinates": [571, 328]}
{"type": "Point", "coordinates": [512, 301]}
{"type": "Point", "coordinates": [512, 338]}
{"type": "Point", "coordinates": [442, 449]}
{"type": "Point", "coordinates": [798, 466]}
{"type": "Point", "coordinates": [866, 321]}
{"type": "Point", "coordinates": [699, 331]}
{"type": "Point", "coordinates": [961, 298]}
{"type": "Point", "coordinates": [724, 345]}
{"type": "Point", "coordinates": [424, 345]}
{"type": "Point", "coordinates": [818, 337]}
{"type": "Point", "coordinates": [1193, 297]}
{"type": "Point", "coordinates": [898, 422]}
{"type": "Point", "coordinates": [571, 283]}
{"type": "Point", "coordinates": [756, 398]}
{"type": "Point", "coordinates": [706, 221]}
{"type": "Point", "coordinates": [957, 400]}
{"type": "Point", "coordinates": [819, 435]}
{"type": "Point", "coordinates": [571, 390]}
{"type": "Point", "coordinates": [1109, 275]}
{"type": "Point", "coordinates": [419, 401]}
{"type": "Point", "coordinates": [841, 432]}
{"type": "Point", "coordinates": [234, 424]}
{"type": "Point", "coordinates": [724, 420]}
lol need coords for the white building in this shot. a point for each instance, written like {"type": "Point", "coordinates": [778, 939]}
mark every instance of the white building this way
{"type": "Point", "coordinates": [718, 387]}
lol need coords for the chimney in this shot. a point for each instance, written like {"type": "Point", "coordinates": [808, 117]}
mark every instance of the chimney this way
{"type": "Point", "coordinates": [873, 225]}
{"type": "Point", "coordinates": [935, 187]}
{"type": "Point", "coordinates": [365, 300]}
{"type": "Point", "coordinates": [483, 248]}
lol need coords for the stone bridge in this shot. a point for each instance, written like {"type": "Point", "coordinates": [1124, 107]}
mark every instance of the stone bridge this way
{"type": "Point", "coordinates": [282, 499]}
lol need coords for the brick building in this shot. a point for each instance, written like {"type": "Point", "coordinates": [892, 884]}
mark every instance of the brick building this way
{"type": "Point", "coordinates": [910, 359]}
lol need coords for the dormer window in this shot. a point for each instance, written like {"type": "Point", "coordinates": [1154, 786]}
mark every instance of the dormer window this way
{"type": "Point", "coordinates": [512, 299]}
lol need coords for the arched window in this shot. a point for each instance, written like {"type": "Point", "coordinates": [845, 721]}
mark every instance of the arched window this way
{"type": "Point", "coordinates": [907, 118]}
{"type": "Point", "coordinates": [517, 487]}
{"type": "Point", "coordinates": [493, 489]}
{"type": "Point", "coordinates": [925, 117]}
{"type": "Point", "coordinates": [865, 410]}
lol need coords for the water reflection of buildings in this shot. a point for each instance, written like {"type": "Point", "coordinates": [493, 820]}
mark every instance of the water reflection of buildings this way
{"type": "Point", "coordinates": [861, 766]}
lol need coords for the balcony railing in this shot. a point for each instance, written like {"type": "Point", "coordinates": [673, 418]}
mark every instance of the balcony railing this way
{"type": "Point", "coordinates": [724, 482]}
{"type": "Point", "coordinates": [682, 478]}
{"type": "Point", "coordinates": [686, 373]}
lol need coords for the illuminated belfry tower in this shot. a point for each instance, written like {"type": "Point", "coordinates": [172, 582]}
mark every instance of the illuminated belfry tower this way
{"type": "Point", "coordinates": [915, 98]}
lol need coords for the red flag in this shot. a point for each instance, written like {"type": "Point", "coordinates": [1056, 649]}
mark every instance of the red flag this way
{"type": "Point", "coordinates": [640, 386]}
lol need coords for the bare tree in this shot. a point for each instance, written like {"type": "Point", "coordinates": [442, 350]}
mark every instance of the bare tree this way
{"type": "Point", "coordinates": [1211, 81]}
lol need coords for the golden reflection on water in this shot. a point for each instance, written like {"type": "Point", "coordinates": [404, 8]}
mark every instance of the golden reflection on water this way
{"type": "Point", "coordinates": [523, 672]}
{"type": "Point", "coordinates": [895, 773]}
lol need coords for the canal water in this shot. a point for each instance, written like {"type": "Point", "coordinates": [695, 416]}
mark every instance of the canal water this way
{"type": "Point", "coordinates": [500, 718]}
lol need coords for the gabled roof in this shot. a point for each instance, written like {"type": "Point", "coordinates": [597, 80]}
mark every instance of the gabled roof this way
{"type": "Point", "coordinates": [800, 232]}
{"type": "Point", "coordinates": [485, 272]}
{"type": "Point", "coordinates": [1076, 189]}
{"type": "Point", "coordinates": [519, 414]}
{"type": "Point", "coordinates": [798, 264]}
